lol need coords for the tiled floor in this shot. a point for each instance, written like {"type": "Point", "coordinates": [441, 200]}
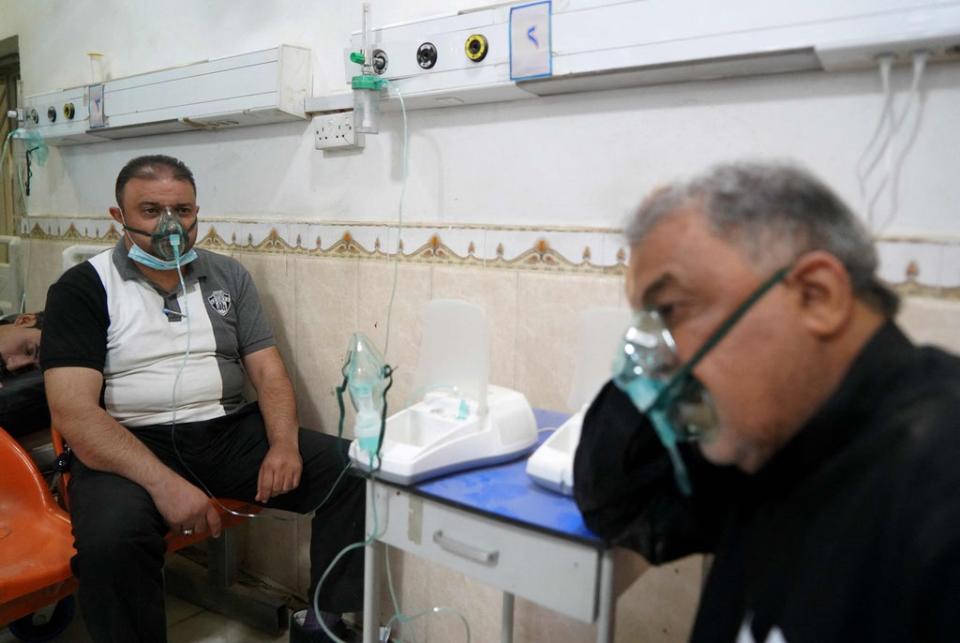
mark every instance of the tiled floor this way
{"type": "Point", "coordinates": [186, 623]}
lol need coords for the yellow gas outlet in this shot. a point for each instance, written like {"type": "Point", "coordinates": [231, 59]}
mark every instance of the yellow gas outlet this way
{"type": "Point", "coordinates": [476, 47]}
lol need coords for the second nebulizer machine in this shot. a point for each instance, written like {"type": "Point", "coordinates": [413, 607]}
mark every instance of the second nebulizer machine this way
{"type": "Point", "coordinates": [599, 331]}
{"type": "Point", "coordinates": [457, 419]}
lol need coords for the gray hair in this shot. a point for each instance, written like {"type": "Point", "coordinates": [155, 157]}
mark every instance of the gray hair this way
{"type": "Point", "coordinates": [774, 213]}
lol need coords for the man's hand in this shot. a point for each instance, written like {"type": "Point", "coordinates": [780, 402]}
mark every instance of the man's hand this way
{"type": "Point", "coordinates": [185, 507]}
{"type": "Point", "coordinates": [281, 467]}
{"type": "Point", "coordinates": [279, 472]}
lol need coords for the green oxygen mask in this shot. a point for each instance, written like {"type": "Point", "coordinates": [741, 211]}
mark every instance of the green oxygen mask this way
{"type": "Point", "coordinates": [648, 370]}
{"type": "Point", "coordinates": [168, 237]}
{"type": "Point", "coordinates": [367, 377]}
{"type": "Point", "coordinates": [33, 143]}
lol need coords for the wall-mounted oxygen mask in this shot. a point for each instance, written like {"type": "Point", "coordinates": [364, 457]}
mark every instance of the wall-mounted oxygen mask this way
{"type": "Point", "coordinates": [648, 370]}
{"type": "Point", "coordinates": [167, 241]}
{"type": "Point", "coordinates": [368, 378]}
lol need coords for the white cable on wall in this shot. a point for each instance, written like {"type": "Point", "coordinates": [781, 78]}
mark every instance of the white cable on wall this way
{"type": "Point", "coordinates": [882, 144]}
{"type": "Point", "coordinates": [914, 110]}
{"type": "Point", "coordinates": [870, 156]}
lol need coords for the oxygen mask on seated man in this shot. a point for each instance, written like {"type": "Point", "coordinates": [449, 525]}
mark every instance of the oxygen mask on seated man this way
{"type": "Point", "coordinates": [648, 370]}
{"type": "Point", "coordinates": [167, 241]}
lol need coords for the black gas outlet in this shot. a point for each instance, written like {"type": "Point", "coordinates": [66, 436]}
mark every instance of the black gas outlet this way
{"type": "Point", "coordinates": [379, 61]}
{"type": "Point", "coordinates": [427, 55]}
{"type": "Point", "coordinates": [52, 114]}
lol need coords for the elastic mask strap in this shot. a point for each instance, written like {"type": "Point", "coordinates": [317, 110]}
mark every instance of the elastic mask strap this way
{"type": "Point", "coordinates": [719, 334]}
{"type": "Point", "coordinates": [342, 389]}
{"type": "Point", "coordinates": [131, 229]}
{"type": "Point", "coordinates": [123, 222]}
{"type": "Point", "coordinates": [343, 413]}
{"type": "Point", "coordinates": [388, 375]}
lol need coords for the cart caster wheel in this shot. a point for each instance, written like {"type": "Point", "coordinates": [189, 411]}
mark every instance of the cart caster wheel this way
{"type": "Point", "coordinates": [26, 629]}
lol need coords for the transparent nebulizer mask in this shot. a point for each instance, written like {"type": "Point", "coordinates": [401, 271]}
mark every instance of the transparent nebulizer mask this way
{"type": "Point", "coordinates": [649, 372]}
{"type": "Point", "coordinates": [168, 237]}
{"type": "Point", "coordinates": [367, 377]}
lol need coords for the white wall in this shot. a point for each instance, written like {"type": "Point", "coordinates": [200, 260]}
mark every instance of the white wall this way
{"type": "Point", "coordinates": [9, 19]}
{"type": "Point", "coordinates": [569, 160]}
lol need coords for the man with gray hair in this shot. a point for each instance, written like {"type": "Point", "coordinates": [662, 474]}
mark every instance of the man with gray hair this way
{"type": "Point", "coordinates": [765, 408]}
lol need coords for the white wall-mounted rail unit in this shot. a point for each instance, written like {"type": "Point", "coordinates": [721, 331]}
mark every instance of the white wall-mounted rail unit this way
{"type": "Point", "coordinates": [60, 116]}
{"type": "Point", "coordinates": [255, 88]}
{"type": "Point", "coordinates": [600, 44]}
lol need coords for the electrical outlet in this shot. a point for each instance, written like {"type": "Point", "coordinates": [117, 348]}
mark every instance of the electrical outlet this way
{"type": "Point", "coordinates": [335, 131]}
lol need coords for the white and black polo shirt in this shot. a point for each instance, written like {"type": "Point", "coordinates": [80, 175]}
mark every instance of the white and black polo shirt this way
{"type": "Point", "coordinates": [104, 314]}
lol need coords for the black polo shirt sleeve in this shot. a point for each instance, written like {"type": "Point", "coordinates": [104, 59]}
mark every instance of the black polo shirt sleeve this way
{"type": "Point", "coordinates": [76, 322]}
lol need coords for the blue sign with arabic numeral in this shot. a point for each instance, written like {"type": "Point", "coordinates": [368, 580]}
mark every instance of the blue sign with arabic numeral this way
{"type": "Point", "coordinates": [530, 41]}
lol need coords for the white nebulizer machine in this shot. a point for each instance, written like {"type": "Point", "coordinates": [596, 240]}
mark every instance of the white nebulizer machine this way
{"type": "Point", "coordinates": [457, 419]}
{"type": "Point", "coordinates": [599, 331]}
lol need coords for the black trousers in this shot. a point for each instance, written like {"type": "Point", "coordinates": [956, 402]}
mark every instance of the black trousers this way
{"type": "Point", "coordinates": [119, 534]}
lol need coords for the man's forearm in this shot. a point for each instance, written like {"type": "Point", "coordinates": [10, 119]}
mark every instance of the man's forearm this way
{"type": "Point", "coordinates": [275, 393]}
{"type": "Point", "coordinates": [279, 408]}
{"type": "Point", "coordinates": [104, 444]}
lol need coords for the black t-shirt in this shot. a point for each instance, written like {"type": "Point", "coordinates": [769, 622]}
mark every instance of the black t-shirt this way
{"type": "Point", "coordinates": [850, 533]}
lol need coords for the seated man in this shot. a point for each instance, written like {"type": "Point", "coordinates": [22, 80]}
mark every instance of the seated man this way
{"type": "Point", "coordinates": [144, 373]}
{"type": "Point", "coordinates": [826, 483]}
{"type": "Point", "coordinates": [23, 406]}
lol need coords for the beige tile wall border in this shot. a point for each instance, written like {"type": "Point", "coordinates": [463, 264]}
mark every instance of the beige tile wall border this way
{"type": "Point", "coordinates": [915, 265]}
{"type": "Point", "coordinates": [566, 250]}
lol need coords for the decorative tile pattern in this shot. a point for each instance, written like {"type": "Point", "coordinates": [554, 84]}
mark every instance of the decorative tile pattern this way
{"type": "Point", "coordinates": [915, 265]}
{"type": "Point", "coordinates": [564, 249]}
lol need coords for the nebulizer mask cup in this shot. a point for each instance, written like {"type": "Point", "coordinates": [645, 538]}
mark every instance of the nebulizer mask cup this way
{"type": "Point", "coordinates": [367, 377]}
{"type": "Point", "coordinates": [648, 370]}
{"type": "Point", "coordinates": [167, 241]}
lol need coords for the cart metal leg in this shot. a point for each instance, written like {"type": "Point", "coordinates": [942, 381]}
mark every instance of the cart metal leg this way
{"type": "Point", "coordinates": [607, 605]}
{"type": "Point", "coordinates": [506, 619]}
{"type": "Point", "coordinates": [371, 579]}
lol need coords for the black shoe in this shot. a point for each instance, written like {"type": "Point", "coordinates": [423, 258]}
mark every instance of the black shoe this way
{"type": "Point", "coordinates": [311, 632]}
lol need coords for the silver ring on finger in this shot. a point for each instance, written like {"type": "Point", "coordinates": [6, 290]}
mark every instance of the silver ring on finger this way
{"type": "Point", "coordinates": [186, 532]}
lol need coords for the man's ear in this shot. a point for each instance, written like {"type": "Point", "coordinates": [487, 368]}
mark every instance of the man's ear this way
{"type": "Point", "coordinates": [825, 291]}
{"type": "Point", "coordinates": [117, 215]}
{"type": "Point", "coordinates": [26, 319]}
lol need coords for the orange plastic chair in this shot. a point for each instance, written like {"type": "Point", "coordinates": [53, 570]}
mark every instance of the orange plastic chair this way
{"type": "Point", "coordinates": [36, 542]}
{"type": "Point", "coordinates": [175, 542]}
{"type": "Point", "coordinates": [35, 539]}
